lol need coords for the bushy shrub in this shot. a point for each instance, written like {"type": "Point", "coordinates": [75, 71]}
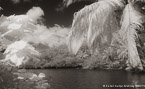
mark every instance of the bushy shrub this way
{"type": "Point", "coordinates": [60, 57]}
{"type": "Point", "coordinates": [54, 57]}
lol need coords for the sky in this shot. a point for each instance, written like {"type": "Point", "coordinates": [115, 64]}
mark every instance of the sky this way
{"type": "Point", "coordinates": [52, 15]}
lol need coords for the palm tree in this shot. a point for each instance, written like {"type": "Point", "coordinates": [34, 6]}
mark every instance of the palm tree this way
{"type": "Point", "coordinates": [97, 22]}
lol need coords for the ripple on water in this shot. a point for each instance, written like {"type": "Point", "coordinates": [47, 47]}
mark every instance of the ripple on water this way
{"type": "Point", "coordinates": [90, 79]}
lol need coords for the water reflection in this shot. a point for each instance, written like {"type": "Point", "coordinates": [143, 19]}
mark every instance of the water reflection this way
{"type": "Point", "coordinates": [92, 79]}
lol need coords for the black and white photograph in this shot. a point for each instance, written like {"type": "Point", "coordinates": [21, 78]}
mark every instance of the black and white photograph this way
{"type": "Point", "coordinates": [72, 44]}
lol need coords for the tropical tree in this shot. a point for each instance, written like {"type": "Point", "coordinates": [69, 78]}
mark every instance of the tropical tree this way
{"type": "Point", "coordinates": [96, 24]}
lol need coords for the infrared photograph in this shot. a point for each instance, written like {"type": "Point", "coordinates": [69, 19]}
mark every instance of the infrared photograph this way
{"type": "Point", "coordinates": [72, 44]}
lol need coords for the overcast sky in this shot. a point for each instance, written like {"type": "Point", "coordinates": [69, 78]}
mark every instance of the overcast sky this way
{"type": "Point", "coordinates": [52, 16]}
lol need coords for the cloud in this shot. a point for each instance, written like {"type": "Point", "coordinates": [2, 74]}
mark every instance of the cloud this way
{"type": "Point", "coordinates": [35, 13]}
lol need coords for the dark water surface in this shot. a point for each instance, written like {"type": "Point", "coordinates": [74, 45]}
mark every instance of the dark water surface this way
{"type": "Point", "coordinates": [92, 79]}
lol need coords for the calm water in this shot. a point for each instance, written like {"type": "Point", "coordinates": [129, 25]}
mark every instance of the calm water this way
{"type": "Point", "coordinates": [92, 79]}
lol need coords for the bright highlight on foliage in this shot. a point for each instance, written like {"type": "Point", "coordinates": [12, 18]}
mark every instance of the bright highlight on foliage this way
{"type": "Point", "coordinates": [19, 33]}
{"type": "Point", "coordinates": [97, 22]}
{"type": "Point", "coordinates": [20, 52]}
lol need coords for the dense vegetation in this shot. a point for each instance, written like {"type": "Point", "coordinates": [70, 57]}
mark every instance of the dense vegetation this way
{"type": "Point", "coordinates": [27, 43]}
{"type": "Point", "coordinates": [38, 46]}
{"type": "Point", "coordinates": [107, 34]}
{"type": "Point", "coordinates": [97, 23]}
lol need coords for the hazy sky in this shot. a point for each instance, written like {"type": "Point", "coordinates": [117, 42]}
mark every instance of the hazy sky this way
{"type": "Point", "coordinates": [52, 16]}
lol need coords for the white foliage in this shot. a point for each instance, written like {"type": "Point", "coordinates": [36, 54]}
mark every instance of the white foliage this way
{"type": "Point", "coordinates": [131, 22]}
{"type": "Point", "coordinates": [19, 30]}
{"type": "Point", "coordinates": [98, 21]}
{"type": "Point", "coordinates": [14, 26]}
{"type": "Point", "coordinates": [54, 36]}
{"type": "Point", "coordinates": [95, 22]}
{"type": "Point", "coordinates": [19, 18]}
{"type": "Point", "coordinates": [19, 52]}
{"type": "Point", "coordinates": [35, 13]}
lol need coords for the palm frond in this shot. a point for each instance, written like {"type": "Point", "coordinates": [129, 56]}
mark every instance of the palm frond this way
{"type": "Point", "coordinates": [131, 23]}
{"type": "Point", "coordinates": [95, 22]}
